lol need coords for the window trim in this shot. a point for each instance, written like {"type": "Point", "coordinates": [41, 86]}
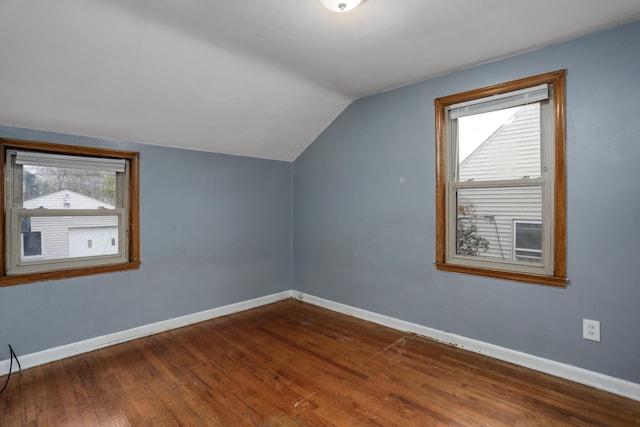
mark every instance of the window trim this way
{"type": "Point", "coordinates": [558, 275]}
{"type": "Point", "coordinates": [132, 261]}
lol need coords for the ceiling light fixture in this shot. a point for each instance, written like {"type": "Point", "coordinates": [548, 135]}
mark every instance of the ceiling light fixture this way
{"type": "Point", "coordinates": [340, 5]}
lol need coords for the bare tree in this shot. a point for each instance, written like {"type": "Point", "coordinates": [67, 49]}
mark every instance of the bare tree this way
{"type": "Point", "coordinates": [468, 242]}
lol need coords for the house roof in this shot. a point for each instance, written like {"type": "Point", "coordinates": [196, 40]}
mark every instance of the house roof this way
{"type": "Point", "coordinates": [57, 200]}
{"type": "Point", "coordinates": [253, 78]}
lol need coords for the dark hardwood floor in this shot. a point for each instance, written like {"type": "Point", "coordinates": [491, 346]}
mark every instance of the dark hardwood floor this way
{"type": "Point", "coordinates": [293, 364]}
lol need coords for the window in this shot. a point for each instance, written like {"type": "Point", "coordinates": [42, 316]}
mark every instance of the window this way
{"type": "Point", "coordinates": [500, 181]}
{"type": "Point", "coordinates": [31, 240]}
{"type": "Point", "coordinates": [527, 243]}
{"type": "Point", "coordinates": [69, 211]}
{"type": "Point", "coordinates": [31, 244]}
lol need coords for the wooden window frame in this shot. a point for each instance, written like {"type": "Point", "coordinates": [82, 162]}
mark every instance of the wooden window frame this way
{"type": "Point", "coordinates": [558, 276]}
{"type": "Point", "coordinates": [133, 259]}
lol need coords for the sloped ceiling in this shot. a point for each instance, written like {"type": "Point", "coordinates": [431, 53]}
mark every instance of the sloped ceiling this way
{"type": "Point", "coordinates": [258, 78]}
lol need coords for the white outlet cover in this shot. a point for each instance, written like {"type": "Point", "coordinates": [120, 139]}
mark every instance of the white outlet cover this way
{"type": "Point", "coordinates": [591, 330]}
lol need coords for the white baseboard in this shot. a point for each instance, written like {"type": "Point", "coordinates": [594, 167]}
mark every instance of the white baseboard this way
{"type": "Point", "coordinates": [68, 350]}
{"type": "Point", "coordinates": [569, 372]}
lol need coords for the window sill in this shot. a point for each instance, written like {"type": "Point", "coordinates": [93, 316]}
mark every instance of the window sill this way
{"type": "Point", "coordinates": [65, 274]}
{"type": "Point", "coordinates": [507, 275]}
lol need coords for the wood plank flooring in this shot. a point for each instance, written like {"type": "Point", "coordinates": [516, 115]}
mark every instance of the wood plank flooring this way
{"type": "Point", "coordinates": [294, 364]}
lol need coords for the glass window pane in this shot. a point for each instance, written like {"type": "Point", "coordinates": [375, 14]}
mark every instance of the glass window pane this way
{"type": "Point", "coordinates": [499, 145]}
{"type": "Point", "coordinates": [31, 243]}
{"type": "Point", "coordinates": [485, 218]}
{"type": "Point", "coordinates": [63, 237]}
{"type": "Point", "coordinates": [528, 236]}
{"type": "Point", "coordinates": [68, 188]}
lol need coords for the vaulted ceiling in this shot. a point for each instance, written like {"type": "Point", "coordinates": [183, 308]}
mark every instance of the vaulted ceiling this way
{"type": "Point", "coordinates": [260, 78]}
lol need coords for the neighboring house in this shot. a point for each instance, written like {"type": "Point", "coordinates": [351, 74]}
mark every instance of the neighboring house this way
{"type": "Point", "coordinates": [68, 236]}
{"type": "Point", "coordinates": [512, 151]}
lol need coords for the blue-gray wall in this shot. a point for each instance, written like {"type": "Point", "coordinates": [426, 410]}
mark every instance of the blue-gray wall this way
{"type": "Point", "coordinates": [215, 229]}
{"type": "Point", "coordinates": [364, 212]}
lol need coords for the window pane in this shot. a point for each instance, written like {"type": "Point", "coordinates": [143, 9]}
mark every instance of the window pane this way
{"type": "Point", "coordinates": [68, 188]}
{"type": "Point", "coordinates": [499, 145]}
{"type": "Point", "coordinates": [528, 244]}
{"type": "Point", "coordinates": [528, 236]}
{"type": "Point", "coordinates": [73, 236]}
{"type": "Point", "coordinates": [31, 243]}
{"type": "Point", "coordinates": [485, 218]}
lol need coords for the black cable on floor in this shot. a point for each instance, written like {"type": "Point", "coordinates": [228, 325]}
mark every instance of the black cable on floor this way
{"type": "Point", "coordinates": [12, 355]}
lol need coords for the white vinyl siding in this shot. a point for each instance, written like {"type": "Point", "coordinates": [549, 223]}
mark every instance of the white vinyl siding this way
{"type": "Point", "coordinates": [513, 151]}
{"type": "Point", "coordinates": [495, 211]}
{"type": "Point", "coordinates": [55, 229]}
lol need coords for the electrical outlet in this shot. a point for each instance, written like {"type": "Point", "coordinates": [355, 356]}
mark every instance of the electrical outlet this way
{"type": "Point", "coordinates": [591, 330]}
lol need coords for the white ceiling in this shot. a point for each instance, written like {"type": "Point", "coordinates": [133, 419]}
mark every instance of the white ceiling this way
{"type": "Point", "coordinates": [258, 78]}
